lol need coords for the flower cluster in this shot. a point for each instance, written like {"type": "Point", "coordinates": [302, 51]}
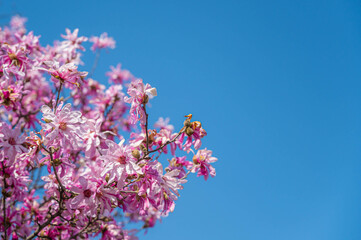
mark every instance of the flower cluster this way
{"type": "Point", "coordinates": [68, 169]}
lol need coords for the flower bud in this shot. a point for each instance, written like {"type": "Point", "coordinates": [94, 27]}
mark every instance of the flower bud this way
{"type": "Point", "coordinates": [195, 159]}
{"type": "Point", "coordinates": [187, 123]}
{"type": "Point", "coordinates": [136, 153]}
{"type": "Point", "coordinates": [189, 131]}
{"type": "Point", "coordinates": [107, 177]}
{"type": "Point", "coordinates": [143, 148]}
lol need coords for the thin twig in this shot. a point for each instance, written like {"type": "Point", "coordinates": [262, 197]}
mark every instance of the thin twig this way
{"type": "Point", "coordinates": [57, 98]}
{"type": "Point", "coordinates": [146, 127]}
{"type": "Point", "coordinates": [4, 203]}
{"type": "Point", "coordinates": [95, 64]}
{"type": "Point", "coordinates": [165, 144]}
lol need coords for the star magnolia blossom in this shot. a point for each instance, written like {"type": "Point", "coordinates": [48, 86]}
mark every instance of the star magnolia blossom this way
{"type": "Point", "coordinates": [68, 168]}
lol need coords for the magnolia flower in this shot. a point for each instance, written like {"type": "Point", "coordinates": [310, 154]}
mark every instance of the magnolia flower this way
{"type": "Point", "coordinates": [85, 192]}
{"type": "Point", "coordinates": [102, 42]}
{"type": "Point", "coordinates": [13, 59]}
{"type": "Point", "coordinates": [64, 124]}
{"type": "Point", "coordinates": [93, 136]}
{"type": "Point", "coordinates": [117, 75]}
{"type": "Point", "coordinates": [12, 141]}
{"type": "Point", "coordinates": [73, 40]}
{"type": "Point", "coordinates": [163, 123]}
{"type": "Point", "coordinates": [119, 163]}
{"type": "Point", "coordinates": [202, 163]}
{"type": "Point", "coordinates": [139, 94]}
{"type": "Point", "coordinates": [67, 73]}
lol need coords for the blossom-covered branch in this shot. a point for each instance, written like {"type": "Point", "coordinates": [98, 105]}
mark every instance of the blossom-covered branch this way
{"type": "Point", "coordinates": [106, 164]}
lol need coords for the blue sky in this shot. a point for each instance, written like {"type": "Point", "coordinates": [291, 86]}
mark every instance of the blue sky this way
{"type": "Point", "coordinates": [276, 85]}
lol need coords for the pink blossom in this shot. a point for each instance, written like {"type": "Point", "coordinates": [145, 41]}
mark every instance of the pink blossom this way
{"type": "Point", "coordinates": [11, 141]}
{"type": "Point", "coordinates": [119, 163]}
{"type": "Point", "coordinates": [13, 59]}
{"type": "Point", "coordinates": [10, 96]}
{"type": "Point", "coordinates": [194, 132]}
{"type": "Point", "coordinates": [67, 73]}
{"type": "Point", "coordinates": [93, 136]}
{"type": "Point", "coordinates": [163, 123]}
{"type": "Point", "coordinates": [102, 42]}
{"type": "Point", "coordinates": [64, 124]}
{"type": "Point", "coordinates": [117, 75]}
{"type": "Point", "coordinates": [202, 163]}
{"type": "Point", "coordinates": [85, 191]}
{"type": "Point", "coordinates": [73, 40]}
{"type": "Point", "coordinates": [179, 163]}
{"type": "Point", "coordinates": [139, 94]}
{"type": "Point", "coordinates": [18, 22]}
{"type": "Point", "coordinates": [90, 179]}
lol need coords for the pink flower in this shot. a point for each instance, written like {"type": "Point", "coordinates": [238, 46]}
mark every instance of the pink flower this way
{"type": "Point", "coordinates": [117, 75]}
{"type": "Point", "coordinates": [67, 73]}
{"type": "Point", "coordinates": [12, 141]}
{"type": "Point", "coordinates": [119, 163]}
{"type": "Point", "coordinates": [194, 132]}
{"type": "Point", "coordinates": [73, 40]}
{"type": "Point", "coordinates": [10, 96]}
{"type": "Point", "coordinates": [179, 163]}
{"type": "Point", "coordinates": [13, 59]}
{"type": "Point", "coordinates": [17, 22]}
{"type": "Point", "coordinates": [202, 163]}
{"type": "Point", "coordinates": [64, 124]}
{"type": "Point", "coordinates": [139, 94]}
{"type": "Point", "coordinates": [102, 42]}
{"type": "Point", "coordinates": [85, 197]}
{"type": "Point", "coordinates": [164, 124]}
{"type": "Point", "coordinates": [93, 136]}
{"type": "Point", "coordinates": [169, 184]}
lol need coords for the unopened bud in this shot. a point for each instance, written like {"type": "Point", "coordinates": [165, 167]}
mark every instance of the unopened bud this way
{"type": "Point", "coordinates": [136, 153]}
{"type": "Point", "coordinates": [42, 233]}
{"type": "Point", "coordinates": [187, 123]}
{"type": "Point", "coordinates": [195, 159]}
{"type": "Point", "coordinates": [189, 131]}
{"type": "Point", "coordinates": [143, 148]}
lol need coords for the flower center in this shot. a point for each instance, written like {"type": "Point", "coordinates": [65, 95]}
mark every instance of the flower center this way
{"type": "Point", "coordinates": [87, 193]}
{"type": "Point", "coordinates": [121, 160]}
{"type": "Point", "coordinates": [12, 141]}
{"type": "Point", "coordinates": [62, 126]}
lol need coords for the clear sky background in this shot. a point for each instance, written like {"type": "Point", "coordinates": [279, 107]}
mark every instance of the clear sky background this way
{"type": "Point", "coordinates": [277, 87]}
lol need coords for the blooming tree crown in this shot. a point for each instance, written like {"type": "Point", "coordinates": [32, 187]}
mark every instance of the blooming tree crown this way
{"type": "Point", "coordinates": [67, 171]}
